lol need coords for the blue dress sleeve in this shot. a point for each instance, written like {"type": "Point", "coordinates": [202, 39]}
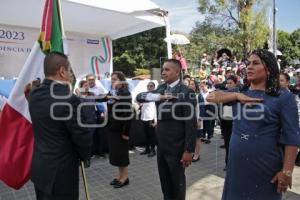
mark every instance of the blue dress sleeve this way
{"type": "Point", "coordinates": [289, 120]}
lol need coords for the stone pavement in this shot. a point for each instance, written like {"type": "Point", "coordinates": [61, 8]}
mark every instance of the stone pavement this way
{"type": "Point", "coordinates": [204, 179]}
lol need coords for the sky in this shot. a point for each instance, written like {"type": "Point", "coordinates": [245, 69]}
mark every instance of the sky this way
{"type": "Point", "coordinates": [183, 14]}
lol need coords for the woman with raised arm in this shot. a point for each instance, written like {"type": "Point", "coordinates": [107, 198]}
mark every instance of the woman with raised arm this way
{"type": "Point", "coordinates": [119, 113]}
{"type": "Point", "coordinates": [265, 134]}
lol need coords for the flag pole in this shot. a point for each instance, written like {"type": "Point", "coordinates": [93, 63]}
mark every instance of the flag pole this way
{"type": "Point", "coordinates": [61, 20]}
{"type": "Point", "coordinates": [64, 38]}
{"type": "Point", "coordinates": [66, 51]}
{"type": "Point", "coordinates": [65, 46]}
{"type": "Point", "coordinates": [87, 194]}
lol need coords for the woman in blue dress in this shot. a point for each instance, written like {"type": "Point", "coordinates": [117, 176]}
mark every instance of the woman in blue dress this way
{"type": "Point", "coordinates": [265, 134]}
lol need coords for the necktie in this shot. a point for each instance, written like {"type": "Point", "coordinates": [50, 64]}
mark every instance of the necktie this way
{"type": "Point", "coordinates": [168, 90]}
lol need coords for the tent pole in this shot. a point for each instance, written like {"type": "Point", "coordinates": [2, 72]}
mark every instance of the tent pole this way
{"type": "Point", "coordinates": [168, 33]}
{"type": "Point", "coordinates": [274, 28]}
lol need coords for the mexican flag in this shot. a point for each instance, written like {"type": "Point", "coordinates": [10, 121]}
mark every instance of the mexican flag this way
{"type": "Point", "coordinates": [16, 133]}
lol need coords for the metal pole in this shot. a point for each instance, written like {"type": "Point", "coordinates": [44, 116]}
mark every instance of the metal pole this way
{"type": "Point", "coordinates": [64, 38]}
{"type": "Point", "coordinates": [274, 28]}
{"type": "Point", "coordinates": [87, 194]}
{"type": "Point", "coordinates": [168, 31]}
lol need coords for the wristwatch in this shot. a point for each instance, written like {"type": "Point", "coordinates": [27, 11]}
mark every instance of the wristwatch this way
{"type": "Point", "coordinates": [288, 173]}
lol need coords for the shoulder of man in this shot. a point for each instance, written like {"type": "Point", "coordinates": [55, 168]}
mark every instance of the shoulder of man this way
{"type": "Point", "coordinates": [187, 92]}
{"type": "Point", "coordinates": [185, 89]}
{"type": "Point", "coordinates": [161, 87]}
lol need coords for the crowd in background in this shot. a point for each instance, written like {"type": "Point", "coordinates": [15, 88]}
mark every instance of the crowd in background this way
{"type": "Point", "coordinates": [222, 73]}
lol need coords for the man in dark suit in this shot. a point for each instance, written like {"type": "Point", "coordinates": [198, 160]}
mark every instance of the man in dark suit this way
{"type": "Point", "coordinates": [60, 143]}
{"type": "Point", "coordinates": [176, 129]}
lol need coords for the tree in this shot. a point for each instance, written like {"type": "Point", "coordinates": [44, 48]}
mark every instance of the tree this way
{"type": "Point", "coordinates": [207, 37]}
{"type": "Point", "coordinates": [142, 50]}
{"type": "Point", "coordinates": [289, 45]}
{"type": "Point", "coordinates": [295, 39]}
{"type": "Point", "coordinates": [285, 45]}
{"type": "Point", "coordinates": [246, 17]}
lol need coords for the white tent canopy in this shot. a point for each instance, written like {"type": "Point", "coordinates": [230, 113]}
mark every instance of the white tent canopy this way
{"type": "Point", "coordinates": [114, 18]}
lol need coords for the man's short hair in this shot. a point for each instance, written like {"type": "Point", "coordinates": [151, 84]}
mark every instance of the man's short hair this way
{"type": "Point", "coordinates": [174, 61]}
{"type": "Point", "coordinates": [53, 62]}
{"type": "Point", "coordinates": [90, 75]}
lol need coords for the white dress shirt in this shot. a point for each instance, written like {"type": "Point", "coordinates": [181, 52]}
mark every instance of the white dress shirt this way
{"type": "Point", "coordinates": [204, 95]}
{"type": "Point", "coordinates": [97, 90]}
{"type": "Point", "coordinates": [148, 111]}
{"type": "Point", "coordinates": [156, 97]}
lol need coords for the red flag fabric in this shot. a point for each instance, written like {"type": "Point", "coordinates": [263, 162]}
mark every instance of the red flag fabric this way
{"type": "Point", "coordinates": [16, 133]}
{"type": "Point", "coordinates": [16, 147]}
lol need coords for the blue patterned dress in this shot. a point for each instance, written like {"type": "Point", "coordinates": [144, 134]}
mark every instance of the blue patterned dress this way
{"type": "Point", "coordinates": [256, 146]}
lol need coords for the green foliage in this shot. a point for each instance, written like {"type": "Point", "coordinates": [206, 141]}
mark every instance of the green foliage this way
{"type": "Point", "coordinates": [245, 19]}
{"type": "Point", "coordinates": [125, 63]}
{"type": "Point", "coordinates": [295, 38]}
{"type": "Point", "coordinates": [208, 38]}
{"type": "Point", "coordinates": [289, 45]}
{"type": "Point", "coordinates": [142, 50]}
{"type": "Point", "coordinates": [140, 71]}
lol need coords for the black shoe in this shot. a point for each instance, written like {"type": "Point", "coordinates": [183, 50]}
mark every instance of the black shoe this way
{"type": "Point", "coordinates": [203, 139]}
{"type": "Point", "coordinates": [207, 142]}
{"type": "Point", "coordinates": [146, 151]}
{"type": "Point", "coordinates": [114, 182]}
{"type": "Point", "coordinates": [101, 155]}
{"type": "Point", "coordinates": [87, 164]}
{"type": "Point", "coordinates": [119, 184]}
{"type": "Point", "coordinates": [152, 153]}
{"type": "Point", "coordinates": [196, 160]}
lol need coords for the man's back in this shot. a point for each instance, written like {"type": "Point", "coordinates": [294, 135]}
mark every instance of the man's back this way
{"type": "Point", "coordinates": [59, 141]}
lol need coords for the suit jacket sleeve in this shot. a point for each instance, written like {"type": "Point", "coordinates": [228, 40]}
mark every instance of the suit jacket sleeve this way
{"type": "Point", "coordinates": [191, 123]}
{"type": "Point", "coordinates": [141, 97]}
{"type": "Point", "coordinates": [80, 136]}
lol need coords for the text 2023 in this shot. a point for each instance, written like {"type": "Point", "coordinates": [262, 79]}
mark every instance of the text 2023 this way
{"type": "Point", "coordinates": [12, 35]}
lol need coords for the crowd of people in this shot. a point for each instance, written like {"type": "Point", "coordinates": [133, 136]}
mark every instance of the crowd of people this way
{"type": "Point", "coordinates": [254, 103]}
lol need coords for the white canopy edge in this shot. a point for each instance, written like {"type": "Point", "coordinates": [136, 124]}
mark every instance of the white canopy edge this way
{"type": "Point", "coordinates": [113, 18]}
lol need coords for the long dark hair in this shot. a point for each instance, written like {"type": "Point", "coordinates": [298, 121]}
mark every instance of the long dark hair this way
{"type": "Point", "coordinates": [196, 86]}
{"type": "Point", "coordinates": [121, 77]}
{"type": "Point", "coordinates": [270, 62]}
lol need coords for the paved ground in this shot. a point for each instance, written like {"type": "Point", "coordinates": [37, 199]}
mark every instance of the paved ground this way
{"type": "Point", "coordinates": [204, 179]}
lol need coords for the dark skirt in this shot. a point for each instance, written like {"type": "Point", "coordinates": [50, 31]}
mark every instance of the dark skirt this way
{"type": "Point", "coordinates": [118, 149]}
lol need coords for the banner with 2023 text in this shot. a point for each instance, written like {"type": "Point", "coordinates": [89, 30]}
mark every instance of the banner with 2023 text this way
{"type": "Point", "coordinates": [87, 53]}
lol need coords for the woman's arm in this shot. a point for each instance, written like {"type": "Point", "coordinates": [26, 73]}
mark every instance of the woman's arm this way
{"type": "Point", "coordinates": [221, 97]}
{"type": "Point", "coordinates": [289, 158]}
{"type": "Point", "coordinates": [226, 97]}
{"type": "Point", "coordinates": [289, 137]}
{"type": "Point", "coordinates": [284, 177]}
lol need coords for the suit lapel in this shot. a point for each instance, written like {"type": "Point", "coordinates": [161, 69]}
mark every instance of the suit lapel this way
{"type": "Point", "coordinates": [161, 90]}
{"type": "Point", "coordinates": [177, 88]}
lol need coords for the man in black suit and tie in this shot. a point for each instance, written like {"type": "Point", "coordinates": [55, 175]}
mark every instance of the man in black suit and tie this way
{"type": "Point", "coordinates": [176, 129]}
{"type": "Point", "coordinates": [59, 142]}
